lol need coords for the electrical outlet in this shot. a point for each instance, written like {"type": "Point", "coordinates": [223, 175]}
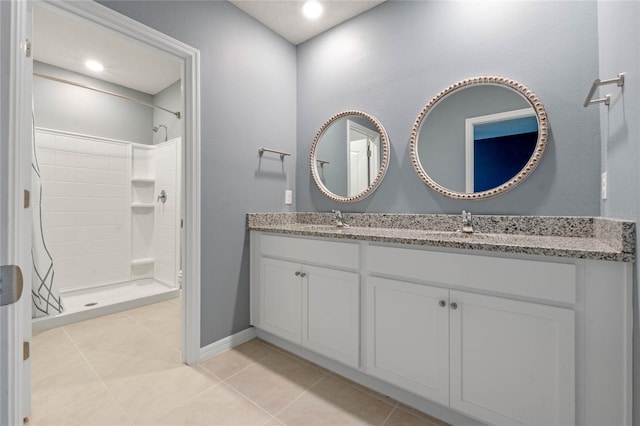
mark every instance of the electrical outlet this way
{"type": "Point", "coordinates": [603, 186]}
{"type": "Point", "coordinates": [288, 196]}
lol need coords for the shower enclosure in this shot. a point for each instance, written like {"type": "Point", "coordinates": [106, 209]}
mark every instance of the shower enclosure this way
{"type": "Point", "coordinates": [114, 239]}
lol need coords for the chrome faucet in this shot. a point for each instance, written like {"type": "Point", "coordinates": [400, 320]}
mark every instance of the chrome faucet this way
{"type": "Point", "coordinates": [467, 223]}
{"type": "Point", "coordinates": [340, 220]}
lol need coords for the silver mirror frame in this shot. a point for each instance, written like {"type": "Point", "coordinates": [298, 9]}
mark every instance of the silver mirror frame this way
{"type": "Point", "coordinates": [384, 163]}
{"type": "Point", "coordinates": [543, 134]}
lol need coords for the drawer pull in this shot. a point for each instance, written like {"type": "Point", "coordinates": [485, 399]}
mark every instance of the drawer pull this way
{"type": "Point", "coordinates": [297, 274]}
{"type": "Point", "coordinates": [303, 274]}
{"type": "Point", "coordinates": [454, 305]}
{"type": "Point", "coordinates": [442, 303]}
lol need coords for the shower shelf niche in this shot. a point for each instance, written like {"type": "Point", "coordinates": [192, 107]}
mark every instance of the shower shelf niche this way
{"type": "Point", "coordinates": [142, 180]}
{"type": "Point", "coordinates": [143, 171]}
{"type": "Point", "coordinates": [145, 261]}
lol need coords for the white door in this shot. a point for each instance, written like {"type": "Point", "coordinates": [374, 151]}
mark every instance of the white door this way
{"type": "Point", "coordinates": [281, 298]}
{"type": "Point", "coordinates": [358, 167]}
{"type": "Point", "coordinates": [512, 362]}
{"type": "Point", "coordinates": [408, 336]}
{"type": "Point", "coordinates": [374, 159]}
{"type": "Point", "coordinates": [331, 313]}
{"type": "Point", "coordinates": [15, 320]}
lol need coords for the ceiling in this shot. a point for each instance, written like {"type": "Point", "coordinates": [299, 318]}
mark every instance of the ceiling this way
{"type": "Point", "coordinates": [67, 42]}
{"type": "Point", "coordinates": [285, 17]}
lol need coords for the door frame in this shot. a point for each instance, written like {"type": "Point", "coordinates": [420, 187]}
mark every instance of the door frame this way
{"type": "Point", "coordinates": [19, 146]}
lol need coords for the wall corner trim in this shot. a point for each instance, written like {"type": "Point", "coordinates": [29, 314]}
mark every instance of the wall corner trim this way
{"type": "Point", "coordinates": [227, 343]}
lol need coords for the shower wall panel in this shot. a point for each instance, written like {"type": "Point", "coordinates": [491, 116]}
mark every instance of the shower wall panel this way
{"type": "Point", "coordinates": [167, 235]}
{"type": "Point", "coordinates": [85, 204]}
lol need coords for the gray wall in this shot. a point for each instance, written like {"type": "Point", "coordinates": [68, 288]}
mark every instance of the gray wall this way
{"type": "Point", "coordinates": [61, 106]}
{"type": "Point", "coordinates": [171, 99]}
{"type": "Point", "coordinates": [248, 87]}
{"type": "Point", "coordinates": [619, 33]}
{"type": "Point", "coordinates": [391, 60]}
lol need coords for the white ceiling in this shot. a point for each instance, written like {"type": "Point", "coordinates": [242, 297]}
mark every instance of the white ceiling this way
{"type": "Point", "coordinates": [67, 42]}
{"type": "Point", "coordinates": [285, 17]}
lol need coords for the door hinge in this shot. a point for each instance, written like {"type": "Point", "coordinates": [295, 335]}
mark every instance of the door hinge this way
{"type": "Point", "coordinates": [25, 350]}
{"type": "Point", "coordinates": [181, 223]}
{"type": "Point", "coordinates": [27, 198]}
{"type": "Point", "coordinates": [369, 153]}
{"type": "Point", "coordinates": [27, 48]}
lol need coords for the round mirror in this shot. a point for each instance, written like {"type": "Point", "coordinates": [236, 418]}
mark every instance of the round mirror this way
{"type": "Point", "coordinates": [479, 137]}
{"type": "Point", "coordinates": [349, 156]}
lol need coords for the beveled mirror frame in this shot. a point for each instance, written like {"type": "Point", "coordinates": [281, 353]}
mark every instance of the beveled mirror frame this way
{"type": "Point", "coordinates": [384, 162]}
{"type": "Point", "coordinates": [543, 134]}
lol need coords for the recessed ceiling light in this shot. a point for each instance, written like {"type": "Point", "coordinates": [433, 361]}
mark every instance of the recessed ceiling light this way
{"type": "Point", "coordinates": [312, 9]}
{"type": "Point", "coordinates": [94, 65]}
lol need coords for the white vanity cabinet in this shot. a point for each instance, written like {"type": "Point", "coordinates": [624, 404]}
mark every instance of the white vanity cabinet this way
{"type": "Point", "coordinates": [499, 360]}
{"type": "Point", "coordinates": [304, 295]}
{"type": "Point", "coordinates": [469, 336]}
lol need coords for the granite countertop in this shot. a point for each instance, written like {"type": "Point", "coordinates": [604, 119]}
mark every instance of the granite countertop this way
{"type": "Point", "coordinates": [561, 236]}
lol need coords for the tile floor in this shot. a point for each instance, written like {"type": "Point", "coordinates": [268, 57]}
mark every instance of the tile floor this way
{"type": "Point", "coordinates": [125, 369]}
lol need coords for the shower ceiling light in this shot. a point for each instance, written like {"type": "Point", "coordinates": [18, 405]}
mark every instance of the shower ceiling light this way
{"type": "Point", "coordinates": [312, 9]}
{"type": "Point", "coordinates": [94, 65]}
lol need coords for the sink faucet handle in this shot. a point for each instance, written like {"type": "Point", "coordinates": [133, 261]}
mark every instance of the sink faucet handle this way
{"type": "Point", "coordinates": [467, 222]}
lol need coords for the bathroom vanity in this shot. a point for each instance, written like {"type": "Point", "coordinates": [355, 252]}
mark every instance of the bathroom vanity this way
{"type": "Point", "coordinates": [527, 322]}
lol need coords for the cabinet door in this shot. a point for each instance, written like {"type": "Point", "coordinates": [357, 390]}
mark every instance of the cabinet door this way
{"type": "Point", "coordinates": [408, 336]}
{"type": "Point", "coordinates": [331, 314]}
{"type": "Point", "coordinates": [281, 298]}
{"type": "Point", "coordinates": [512, 362]}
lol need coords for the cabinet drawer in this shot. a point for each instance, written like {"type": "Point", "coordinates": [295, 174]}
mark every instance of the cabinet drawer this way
{"type": "Point", "coordinates": [528, 278]}
{"type": "Point", "coordinates": [344, 255]}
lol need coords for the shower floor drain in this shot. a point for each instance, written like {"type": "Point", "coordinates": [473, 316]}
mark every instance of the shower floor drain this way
{"type": "Point", "coordinates": [91, 304]}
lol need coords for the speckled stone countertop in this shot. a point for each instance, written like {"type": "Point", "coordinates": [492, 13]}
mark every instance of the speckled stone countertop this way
{"type": "Point", "coordinates": [563, 236]}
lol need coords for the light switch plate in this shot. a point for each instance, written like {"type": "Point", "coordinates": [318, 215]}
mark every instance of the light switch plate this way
{"type": "Point", "coordinates": [288, 196]}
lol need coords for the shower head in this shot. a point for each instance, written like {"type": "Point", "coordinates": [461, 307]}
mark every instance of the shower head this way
{"type": "Point", "coordinates": [156, 128]}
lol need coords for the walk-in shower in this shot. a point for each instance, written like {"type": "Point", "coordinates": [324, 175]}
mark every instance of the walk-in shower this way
{"type": "Point", "coordinates": [114, 245]}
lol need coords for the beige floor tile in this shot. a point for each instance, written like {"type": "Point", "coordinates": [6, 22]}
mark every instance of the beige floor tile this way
{"type": "Point", "coordinates": [94, 328]}
{"type": "Point", "coordinates": [274, 382]}
{"type": "Point", "coordinates": [413, 412]}
{"type": "Point", "coordinates": [52, 355]}
{"type": "Point", "coordinates": [220, 405]}
{"type": "Point", "coordinates": [237, 359]}
{"type": "Point", "coordinates": [97, 410]}
{"type": "Point", "coordinates": [334, 402]}
{"type": "Point", "coordinates": [42, 338]}
{"type": "Point", "coordinates": [58, 390]}
{"type": "Point", "coordinates": [161, 311]}
{"type": "Point", "coordinates": [146, 396]}
{"type": "Point", "coordinates": [145, 354]}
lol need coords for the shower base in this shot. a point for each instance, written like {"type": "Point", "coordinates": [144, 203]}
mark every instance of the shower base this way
{"type": "Point", "coordinates": [86, 304]}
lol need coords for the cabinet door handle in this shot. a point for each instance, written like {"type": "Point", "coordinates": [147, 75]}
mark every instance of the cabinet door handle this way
{"type": "Point", "coordinates": [454, 305]}
{"type": "Point", "coordinates": [297, 273]}
{"type": "Point", "coordinates": [303, 274]}
{"type": "Point", "coordinates": [442, 303]}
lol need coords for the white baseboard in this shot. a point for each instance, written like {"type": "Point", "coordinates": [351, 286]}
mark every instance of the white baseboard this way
{"type": "Point", "coordinates": [227, 343]}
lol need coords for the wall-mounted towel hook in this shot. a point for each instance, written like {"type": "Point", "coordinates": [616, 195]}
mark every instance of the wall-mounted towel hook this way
{"type": "Point", "coordinates": [597, 83]}
{"type": "Point", "coordinates": [263, 150]}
